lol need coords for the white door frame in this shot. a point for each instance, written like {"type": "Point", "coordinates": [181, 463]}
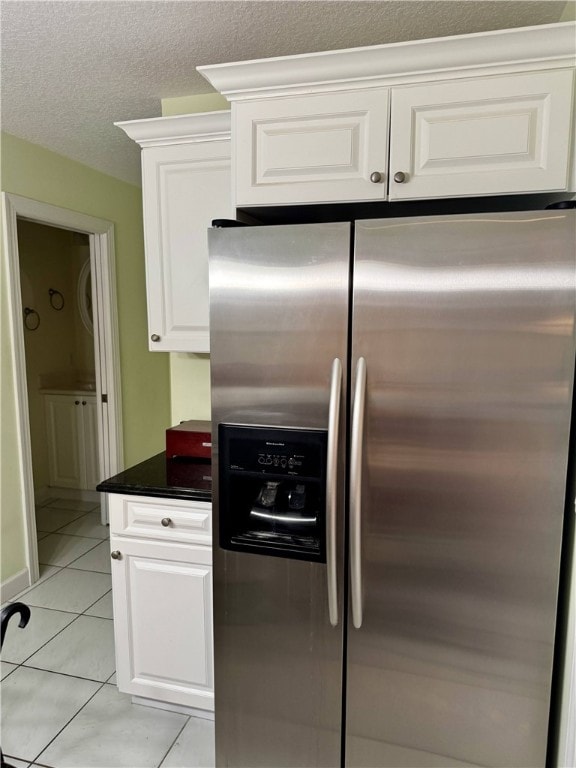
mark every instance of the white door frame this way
{"type": "Point", "coordinates": [106, 346]}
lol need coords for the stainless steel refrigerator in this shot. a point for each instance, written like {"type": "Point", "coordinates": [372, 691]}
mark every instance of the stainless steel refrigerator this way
{"type": "Point", "coordinates": [391, 418]}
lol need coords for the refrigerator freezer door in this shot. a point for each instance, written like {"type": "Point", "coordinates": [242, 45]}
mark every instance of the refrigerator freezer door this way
{"type": "Point", "coordinates": [467, 328]}
{"type": "Point", "coordinates": [279, 320]}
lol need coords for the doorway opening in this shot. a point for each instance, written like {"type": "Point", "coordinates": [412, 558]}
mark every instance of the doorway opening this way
{"type": "Point", "coordinates": [64, 326]}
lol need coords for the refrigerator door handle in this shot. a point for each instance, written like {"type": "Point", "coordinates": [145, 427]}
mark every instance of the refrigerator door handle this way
{"type": "Point", "coordinates": [357, 438]}
{"type": "Point", "coordinates": [331, 489]}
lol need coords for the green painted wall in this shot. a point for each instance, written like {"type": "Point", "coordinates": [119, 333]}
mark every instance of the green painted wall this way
{"type": "Point", "coordinates": [569, 12]}
{"type": "Point", "coordinates": [11, 517]}
{"type": "Point", "coordinates": [188, 105]}
{"type": "Point", "coordinates": [32, 171]}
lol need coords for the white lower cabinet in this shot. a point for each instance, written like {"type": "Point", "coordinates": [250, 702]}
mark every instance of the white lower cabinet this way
{"type": "Point", "coordinates": [72, 432]}
{"type": "Point", "coordinates": [162, 592]}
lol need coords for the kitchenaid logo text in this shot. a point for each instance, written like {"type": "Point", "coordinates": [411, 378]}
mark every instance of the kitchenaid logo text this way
{"type": "Point", "coordinates": [280, 444]}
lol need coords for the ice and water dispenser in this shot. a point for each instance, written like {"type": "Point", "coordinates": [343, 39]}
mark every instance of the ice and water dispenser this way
{"type": "Point", "coordinates": [272, 487]}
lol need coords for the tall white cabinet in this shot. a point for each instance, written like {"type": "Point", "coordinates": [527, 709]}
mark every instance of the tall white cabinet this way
{"type": "Point", "coordinates": [185, 185]}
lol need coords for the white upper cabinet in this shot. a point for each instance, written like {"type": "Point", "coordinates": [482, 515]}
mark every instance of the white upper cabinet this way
{"type": "Point", "coordinates": [487, 136]}
{"type": "Point", "coordinates": [304, 149]}
{"type": "Point", "coordinates": [489, 113]}
{"type": "Point", "coordinates": [185, 184]}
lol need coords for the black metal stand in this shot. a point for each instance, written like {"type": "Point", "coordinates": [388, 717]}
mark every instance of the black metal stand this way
{"type": "Point", "coordinates": [5, 617]}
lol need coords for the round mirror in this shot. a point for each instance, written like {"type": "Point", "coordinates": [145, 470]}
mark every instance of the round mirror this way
{"type": "Point", "coordinates": [85, 297]}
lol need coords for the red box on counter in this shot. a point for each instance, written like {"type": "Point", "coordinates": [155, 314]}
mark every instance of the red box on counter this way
{"type": "Point", "coordinates": [191, 439]}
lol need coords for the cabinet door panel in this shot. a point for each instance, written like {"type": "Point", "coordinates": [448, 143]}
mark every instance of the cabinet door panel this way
{"type": "Point", "coordinates": [163, 621]}
{"type": "Point", "coordinates": [90, 440]}
{"type": "Point", "coordinates": [64, 432]}
{"type": "Point", "coordinates": [184, 188]}
{"type": "Point", "coordinates": [311, 148]}
{"type": "Point", "coordinates": [488, 136]}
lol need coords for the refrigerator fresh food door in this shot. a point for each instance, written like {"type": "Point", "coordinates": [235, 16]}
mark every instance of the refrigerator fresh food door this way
{"type": "Point", "coordinates": [279, 326]}
{"type": "Point", "coordinates": [462, 367]}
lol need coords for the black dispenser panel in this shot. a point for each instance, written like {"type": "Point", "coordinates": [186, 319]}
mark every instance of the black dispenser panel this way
{"type": "Point", "coordinates": [272, 486]}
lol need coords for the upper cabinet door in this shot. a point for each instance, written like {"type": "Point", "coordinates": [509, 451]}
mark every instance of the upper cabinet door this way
{"type": "Point", "coordinates": [184, 187]}
{"type": "Point", "coordinates": [311, 149]}
{"type": "Point", "coordinates": [488, 136]}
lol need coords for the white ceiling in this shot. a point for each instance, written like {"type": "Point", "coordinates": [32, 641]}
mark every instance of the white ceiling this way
{"type": "Point", "coordinates": [70, 68]}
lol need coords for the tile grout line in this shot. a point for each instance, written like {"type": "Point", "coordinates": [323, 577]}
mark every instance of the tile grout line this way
{"type": "Point", "coordinates": [77, 616]}
{"type": "Point", "coordinates": [67, 674]}
{"type": "Point", "coordinates": [79, 556]}
{"type": "Point", "coordinates": [23, 663]}
{"type": "Point", "coordinates": [83, 570]}
{"type": "Point", "coordinates": [18, 598]}
{"type": "Point", "coordinates": [174, 742]}
{"type": "Point", "coordinates": [69, 721]}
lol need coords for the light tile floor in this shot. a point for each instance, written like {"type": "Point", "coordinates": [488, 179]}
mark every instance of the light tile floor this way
{"type": "Point", "coordinates": [60, 704]}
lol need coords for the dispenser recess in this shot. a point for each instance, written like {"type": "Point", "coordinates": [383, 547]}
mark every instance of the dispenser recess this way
{"type": "Point", "coordinates": [272, 486]}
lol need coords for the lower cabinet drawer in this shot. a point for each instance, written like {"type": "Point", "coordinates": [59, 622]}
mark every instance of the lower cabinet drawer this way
{"type": "Point", "coordinates": [166, 519]}
{"type": "Point", "coordinates": [163, 621]}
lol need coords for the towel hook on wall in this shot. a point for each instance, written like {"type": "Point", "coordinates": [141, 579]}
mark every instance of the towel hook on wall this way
{"type": "Point", "coordinates": [56, 299]}
{"type": "Point", "coordinates": [31, 319]}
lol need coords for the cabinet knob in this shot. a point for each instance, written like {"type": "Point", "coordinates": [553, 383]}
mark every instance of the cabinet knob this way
{"type": "Point", "coordinates": [155, 337]}
{"type": "Point", "coordinates": [166, 522]}
{"type": "Point", "coordinates": [376, 177]}
{"type": "Point", "coordinates": [76, 402]}
{"type": "Point", "coordinates": [399, 177]}
{"type": "Point", "coordinates": [116, 555]}
{"type": "Point", "coordinates": [83, 402]}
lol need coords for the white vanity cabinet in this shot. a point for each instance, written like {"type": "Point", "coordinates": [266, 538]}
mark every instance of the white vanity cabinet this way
{"type": "Point", "coordinates": [162, 594]}
{"type": "Point", "coordinates": [472, 115]}
{"type": "Point", "coordinates": [185, 184]}
{"type": "Point", "coordinates": [72, 433]}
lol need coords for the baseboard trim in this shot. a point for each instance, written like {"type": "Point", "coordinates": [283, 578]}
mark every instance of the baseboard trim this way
{"type": "Point", "coordinates": [14, 585]}
{"type": "Point", "coordinates": [193, 711]}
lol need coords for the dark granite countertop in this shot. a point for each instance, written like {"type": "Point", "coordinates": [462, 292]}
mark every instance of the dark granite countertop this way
{"type": "Point", "coordinates": [169, 478]}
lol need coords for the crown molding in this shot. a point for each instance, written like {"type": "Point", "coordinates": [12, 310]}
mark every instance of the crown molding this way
{"type": "Point", "coordinates": [548, 46]}
{"type": "Point", "coordinates": [178, 129]}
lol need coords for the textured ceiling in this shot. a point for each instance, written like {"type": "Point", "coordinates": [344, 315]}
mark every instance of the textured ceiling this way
{"type": "Point", "coordinates": [70, 68]}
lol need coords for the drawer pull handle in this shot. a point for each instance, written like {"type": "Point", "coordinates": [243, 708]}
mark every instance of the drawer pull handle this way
{"type": "Point", "coordinates": [166, 522]}
{"type": "Point", "coordinates": [116, 555]}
